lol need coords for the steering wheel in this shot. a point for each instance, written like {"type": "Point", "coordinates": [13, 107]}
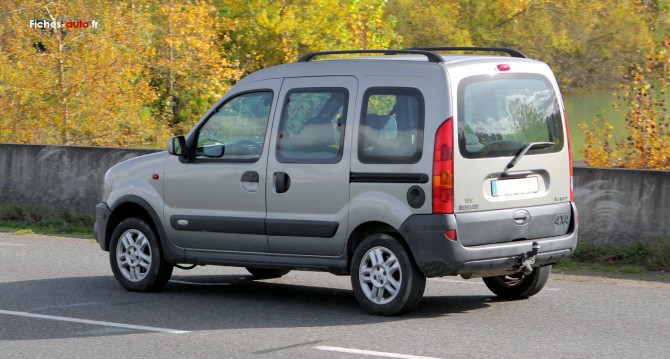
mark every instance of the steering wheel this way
{"type": "Point", "coordinates": [245, 147]}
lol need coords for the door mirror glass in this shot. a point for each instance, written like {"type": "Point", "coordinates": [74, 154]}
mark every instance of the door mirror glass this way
{"type": "Point", "coordinates": [176, 146]}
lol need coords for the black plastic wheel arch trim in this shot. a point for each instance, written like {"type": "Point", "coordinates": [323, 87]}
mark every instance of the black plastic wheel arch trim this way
{"type": "Point", "coordinates": [171, 252]}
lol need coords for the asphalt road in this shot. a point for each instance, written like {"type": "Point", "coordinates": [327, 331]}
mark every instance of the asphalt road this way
{"type": "Point", "coordinates": [58, 299]}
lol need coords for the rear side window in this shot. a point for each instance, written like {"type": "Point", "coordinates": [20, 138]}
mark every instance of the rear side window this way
{"type": "Point", "coordinates": [391, 129]}
{"type": "Point", "coordinates": [312, 126]}
{"type": "Point", "coordinates": [499, 115]}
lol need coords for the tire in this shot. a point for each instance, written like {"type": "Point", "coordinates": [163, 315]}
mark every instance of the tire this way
{"type": "Point", "coordinates": [136, 258]}
{"type": "Point", "coordinates": [267, 273]}
{"type": "Point", "coordinates": [519, 286]}
{"type": "Point", "coordinates": [384, 278]}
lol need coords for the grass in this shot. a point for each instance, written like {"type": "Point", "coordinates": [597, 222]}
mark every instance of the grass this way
{"type": "Point", "coordinates": [19, 219]}
{"type": "Point", "coordinates": [653, 254]}
{"type": "Point", "coordinates": [648, 260]}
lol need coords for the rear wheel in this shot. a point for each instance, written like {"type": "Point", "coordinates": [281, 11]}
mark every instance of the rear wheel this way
{"type": "Point", "coordinates": [267, 273]}
{"type": "Point", "coordinates": [135, 257]}
{"type": "Point", "coordinates": [384, 278]}
{"type": "Point", "coordinates": [519, 286]}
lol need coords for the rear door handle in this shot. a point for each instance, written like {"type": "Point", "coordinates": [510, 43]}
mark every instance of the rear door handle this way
{"type": "Point", "coordinates": [282, 182]}
{"type": "Point", "coordinates": [250, 176]}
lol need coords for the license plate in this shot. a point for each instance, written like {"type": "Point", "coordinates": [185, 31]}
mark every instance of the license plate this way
{"type": "Point", "coordinates": [512, 187]}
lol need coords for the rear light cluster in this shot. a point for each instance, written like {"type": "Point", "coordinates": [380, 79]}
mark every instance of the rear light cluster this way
{"type": "Point", "coordinates": [443, 169]}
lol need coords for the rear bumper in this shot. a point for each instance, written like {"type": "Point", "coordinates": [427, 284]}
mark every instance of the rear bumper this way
{"type": "Point", "coordinates": [437, 256]}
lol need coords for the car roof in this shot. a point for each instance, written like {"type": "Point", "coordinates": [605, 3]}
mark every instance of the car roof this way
{"type": "Point", "coordinates": [401, 64]}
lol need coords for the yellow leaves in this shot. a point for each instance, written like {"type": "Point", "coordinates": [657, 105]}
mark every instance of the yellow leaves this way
{"type": "Point", "coordinates": [86, 86]}
{"type": "Point", "coordinates": [647, 142]}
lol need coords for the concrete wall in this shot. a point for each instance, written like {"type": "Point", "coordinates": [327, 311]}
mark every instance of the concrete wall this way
{"type": "Point", "coordinates": [615, 205]}
{"type": "Point", "coordinates": [57, 176]}
{"type": "Point", "coordinates": [622, 205]}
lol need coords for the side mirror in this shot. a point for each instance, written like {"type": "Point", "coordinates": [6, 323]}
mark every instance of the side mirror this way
{"type": "Point", "coordinates": [177, 146]}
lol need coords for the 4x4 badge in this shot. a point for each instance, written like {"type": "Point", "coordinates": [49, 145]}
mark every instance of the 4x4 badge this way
{"type": "Point", "coordinates": [562, 219]}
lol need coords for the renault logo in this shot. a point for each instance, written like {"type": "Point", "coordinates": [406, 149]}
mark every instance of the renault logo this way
{"type": "Point", "coordinates": [521, 217]}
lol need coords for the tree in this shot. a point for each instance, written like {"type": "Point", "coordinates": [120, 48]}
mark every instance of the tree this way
{"type": "Point", "coordinates": [190, 68]}
{"type": "Point", "coordinates": [66, 85]}
{"type": "Point", "coordinates": [642, 97]}
{"type": "Point", "coordinates": [587, 43]}
{"type": "Point", "coordinates": [265, 33]}
{"type": "Point", "coordinates": [428, 23]}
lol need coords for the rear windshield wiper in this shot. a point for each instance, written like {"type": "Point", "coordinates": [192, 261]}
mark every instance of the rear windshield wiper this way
{"type": "Point", "coordinates": [524, 150]}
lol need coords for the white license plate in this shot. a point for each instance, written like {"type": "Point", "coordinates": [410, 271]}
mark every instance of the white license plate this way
{"type": "Point", "coordinates": [512, 187]}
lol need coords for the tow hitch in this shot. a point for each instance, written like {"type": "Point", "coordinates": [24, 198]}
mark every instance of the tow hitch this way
{"type": "Point", "coordinates": [528, 259]}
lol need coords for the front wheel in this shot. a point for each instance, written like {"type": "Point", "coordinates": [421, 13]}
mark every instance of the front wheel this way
{"type": "Point", "coordinates": [519, 286]}
{"type": "Point", "coordinates": [384, 278]}
{"type": "Point", "coordinates": [135, 257]}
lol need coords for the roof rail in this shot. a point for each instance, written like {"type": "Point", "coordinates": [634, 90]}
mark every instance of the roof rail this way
{"type": "Point", "coordinates": [512, 53]}
{"type": "Point", "coordinates": [431, 56]}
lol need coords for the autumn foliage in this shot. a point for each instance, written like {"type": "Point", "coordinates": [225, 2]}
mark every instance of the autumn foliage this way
{"type": "Point", "coordinates": [642, 99]}
{"type": "Point", "coordinates": [153, 67]}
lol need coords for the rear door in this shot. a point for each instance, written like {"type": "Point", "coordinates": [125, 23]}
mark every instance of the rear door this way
{"type": "Point", "coordinates": [512, 178]}
{"type": "Point", "coordinates": [307, 182]}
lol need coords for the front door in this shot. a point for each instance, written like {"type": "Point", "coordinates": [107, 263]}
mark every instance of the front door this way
{"type": "Point", "coordinates": [307, 184]}
{"type": "Point", "coordinates": [217, 202]}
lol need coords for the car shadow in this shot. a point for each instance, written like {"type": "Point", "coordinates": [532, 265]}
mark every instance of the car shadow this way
{"type": "Point", "coordinates": [192, 303]}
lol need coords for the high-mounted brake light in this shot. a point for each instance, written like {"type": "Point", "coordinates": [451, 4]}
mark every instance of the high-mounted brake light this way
{"type": "Point", "coordinates": [443, 169]}
{"type": "Point", "coordinates": [503, 67]}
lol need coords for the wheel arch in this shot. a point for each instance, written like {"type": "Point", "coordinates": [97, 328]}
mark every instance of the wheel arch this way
{"type": "Point", "coordinates": [366, 229]}
{"type": "Point", "coordinates": [134, 206]}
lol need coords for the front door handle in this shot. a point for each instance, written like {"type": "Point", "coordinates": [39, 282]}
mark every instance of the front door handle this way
{"type": "Point", "coordinates": [250, 176]}
{"type": "Point", "coordinates": [282, 182]}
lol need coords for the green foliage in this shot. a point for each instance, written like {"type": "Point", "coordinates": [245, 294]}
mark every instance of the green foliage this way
{"type": "Point", "coordinates": [21, 219]}
{"type": "Point", "coordinates": [642, 98]}
{"type": "Point", "coordinates": [153, 67]}
{"type": "Point", "coordinates": [264, 33]}
{"type": "Point", "coordinates": [652, 254]}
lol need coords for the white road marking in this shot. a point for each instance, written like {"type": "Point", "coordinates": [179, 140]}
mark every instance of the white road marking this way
{"type": "Point", "coordinates": [372, 353]}
{"type": "Point", "coordinates": [93, 322]}
{"type": "Point", "coordinates": [476, 281]}
{"type": "Point", "coordinates": [12, 244]}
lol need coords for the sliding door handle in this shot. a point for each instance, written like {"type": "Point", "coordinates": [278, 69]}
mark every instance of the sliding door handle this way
{"type": "Point", "coordinates": [282, 182]}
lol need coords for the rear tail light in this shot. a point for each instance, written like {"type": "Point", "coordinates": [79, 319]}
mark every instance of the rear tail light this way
{"type": "Point", "coordinates": [443, 169]}
{"type": "Point", "coordinates": [567, 134]}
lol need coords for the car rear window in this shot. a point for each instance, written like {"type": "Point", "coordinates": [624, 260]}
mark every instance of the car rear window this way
{"type": "Point", "coordinates": [499, 115]}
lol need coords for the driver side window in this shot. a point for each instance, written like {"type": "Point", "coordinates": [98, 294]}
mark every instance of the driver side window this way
{"type": "Point", "coordinates": [236, 131]}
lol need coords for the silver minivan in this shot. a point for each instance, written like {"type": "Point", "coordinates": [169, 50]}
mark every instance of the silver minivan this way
{"type": "Point", "coordinates": [390, 168]}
